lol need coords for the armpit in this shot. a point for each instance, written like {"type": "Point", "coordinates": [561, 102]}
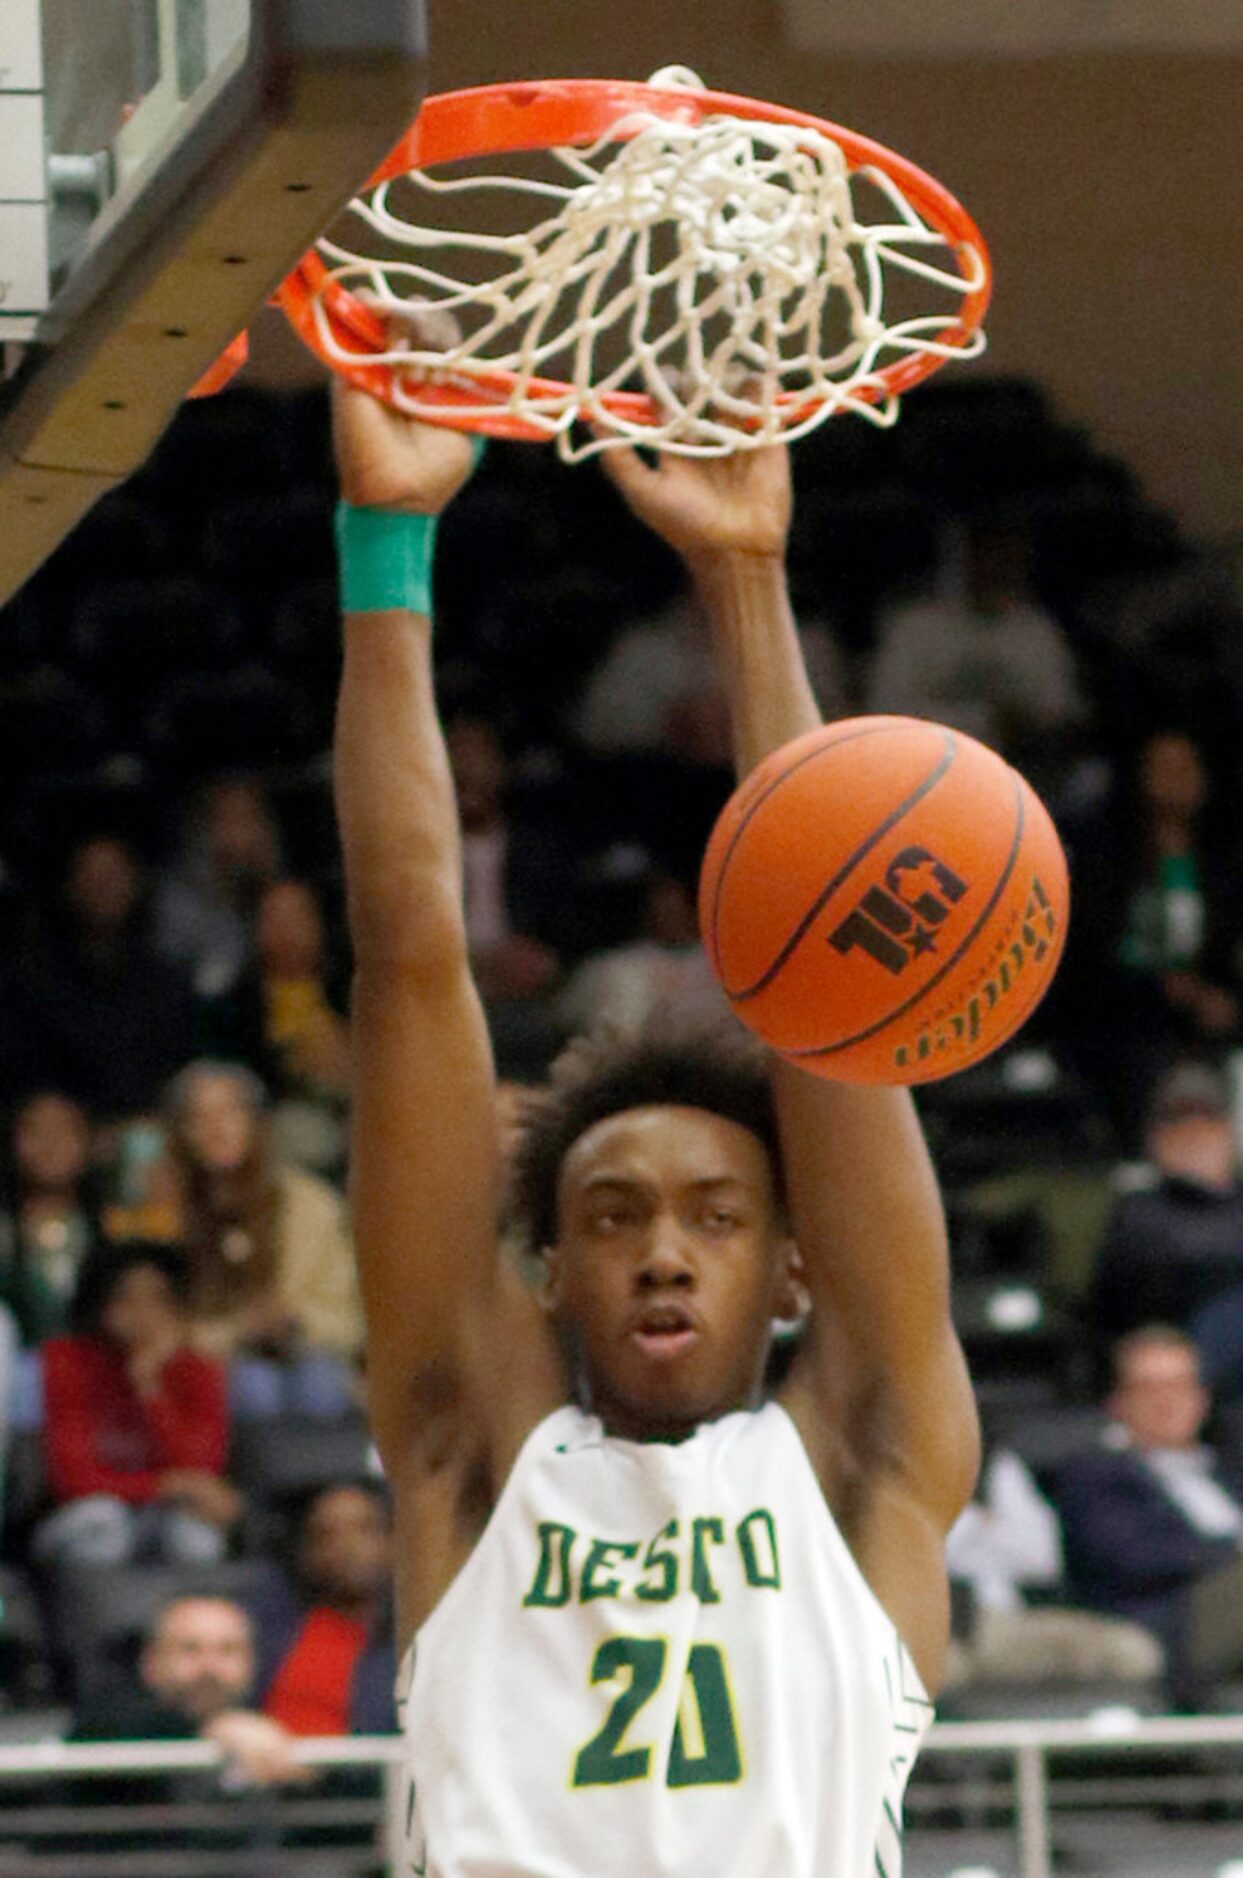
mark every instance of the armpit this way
{"type": "Point", "coordinates": [438, 1412]}
{"type": "Point", "coordinates": [856, 1444]}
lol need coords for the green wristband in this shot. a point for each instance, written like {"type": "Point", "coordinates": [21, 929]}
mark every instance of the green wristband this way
{"type": "Point", "coordinates": [384, 560]}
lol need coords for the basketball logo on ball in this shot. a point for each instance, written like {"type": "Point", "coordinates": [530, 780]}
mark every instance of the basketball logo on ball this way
{"type": "Point", "coordinates": [884, 900]}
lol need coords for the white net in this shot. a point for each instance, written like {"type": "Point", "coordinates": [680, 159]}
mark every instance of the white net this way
{"type": "Point", "coordinates": [724, 268]}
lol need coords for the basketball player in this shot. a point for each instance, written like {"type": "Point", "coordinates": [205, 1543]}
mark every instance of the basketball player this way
{"type": "Point", "coordinates": [657, 1625]}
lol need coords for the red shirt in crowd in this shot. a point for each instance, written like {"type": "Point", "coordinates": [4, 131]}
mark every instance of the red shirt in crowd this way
{"type": "Point", "coordinates": [310, 1693]}
{"type": "Point", "coordinates": [101, 1436]}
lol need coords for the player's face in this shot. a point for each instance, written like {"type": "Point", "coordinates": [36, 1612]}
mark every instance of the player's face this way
{"type": "Point", "coordinates": [669, 1267]}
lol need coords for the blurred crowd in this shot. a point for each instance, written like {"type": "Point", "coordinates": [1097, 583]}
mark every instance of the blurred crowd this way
{"type": "Point", "coordinates": [177, 1297]}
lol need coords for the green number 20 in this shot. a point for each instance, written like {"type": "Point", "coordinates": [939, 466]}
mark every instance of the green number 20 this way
{"type": "Point", "coordinates": [704, 1751]}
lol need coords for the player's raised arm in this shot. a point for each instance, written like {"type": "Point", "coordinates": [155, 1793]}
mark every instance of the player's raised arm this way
{"type": "Point", "coordinates": [424, 1158]}
{"type": "Point", "coordinates": [881, 1393]}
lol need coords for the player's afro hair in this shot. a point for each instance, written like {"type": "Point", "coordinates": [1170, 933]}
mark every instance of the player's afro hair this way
{"type": "Point", "coordinates": [608, 1072]}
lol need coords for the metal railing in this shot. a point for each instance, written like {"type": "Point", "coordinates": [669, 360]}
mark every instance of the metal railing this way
{"type": "Point", "coordinates": [70, 1838]}
{"type": "Point", "coordinates": [1027, 1745]}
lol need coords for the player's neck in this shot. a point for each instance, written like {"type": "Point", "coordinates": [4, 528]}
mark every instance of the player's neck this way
{"type": "Point", "coordinates": [625, 1423]}
{"type": "Point", "coordinates": [631, 1429]}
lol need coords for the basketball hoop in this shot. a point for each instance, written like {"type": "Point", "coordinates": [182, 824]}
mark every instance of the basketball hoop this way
{"type": "Point", "coordinates": [697, 276]}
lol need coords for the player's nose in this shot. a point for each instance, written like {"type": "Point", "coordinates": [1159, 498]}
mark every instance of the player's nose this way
{"type": "Point", "coordinates": [666, 1260]}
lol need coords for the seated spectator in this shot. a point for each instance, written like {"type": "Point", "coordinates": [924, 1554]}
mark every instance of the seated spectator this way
{"type": "Point", "coordinates": [197, 1664]}
{"type": "Point", "coordinates": [513, 887]}
{"type": "Point", "coordinates": [1173, 1248]}
{"type": "Point", "coordinates": [1007, 1540]}
{"type": "Point", "coordinates": [658, 689]}
{"type": "Point", "coordinates": [272, 1277]}
{"type": "Point", "coordinates": [205, 905]}
{"type": "Point", "coordinates": [665, 966]}
{"type": "Point", "coordinates": [135, 1429]}
{"type": "Point", "coordinates": [106, 1017]}
{"type": "Point", "coordinates": [1153, 1509]}
{"type": "Point", "coordinates": [651, 731]}
{"type": "Point", "coordinates": [325, 1638]}
{"type": "Point", "coordinates": [1007, 1548]}
{"type": "Point", "coordinates": [1155, 975]}
{"type": "Point", "coordinates": [983, 654]}
{"type": "Point", "coordinates": [49, 1222]}
{"type": "Point", "coordinates": [518, 880]}
{"type": "Point", "coordinates": [285, 1019]}
{"type": "Point", "coordinates": [290, 1016]}
{"type": "Point", "coordinates": [194, 1680]}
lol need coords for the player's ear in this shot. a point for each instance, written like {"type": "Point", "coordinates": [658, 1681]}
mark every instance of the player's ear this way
{"type": "Point", "coordinates": [791, 1298]}
{"type": "Point", "coordinates": [552, 1282]}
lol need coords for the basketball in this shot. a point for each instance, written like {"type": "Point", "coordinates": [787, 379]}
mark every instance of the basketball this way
{"type": "Point", "coordinates": [884, 900]}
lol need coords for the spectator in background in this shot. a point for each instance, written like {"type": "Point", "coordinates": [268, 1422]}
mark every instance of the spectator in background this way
{"type": "Point", "coordinates": [665, 966]}
{"type": "Point", "coordinates": [1006, 1547]}
{"type": "Point", "coordinates": [197, 1664]}
{"type": "Point", "coordinates": [657, 689]}
{"type": "Point", "coordinates": [49, 1222]}
{"type": "Point", "coordinates": [982, 654]}
{"type": "Point", "coordinates": [1173, 1248]}
{"type": "Point", "coordinates": [1007, 1540]}
{"type": "Point", "coordinates": [518, 879]}
{"type": "Point", "coordinates": [205, 906]}
{"type": "Point", "coordinates": [285, 1019]}
{"type": "Point", "coordinates": [652, 724]}
{"type": "Point", "coordinates": [105, 1017]}
{"type": "Point", "coordinates": [195, 1677]}
{"type": "Point", "coordinates": [1156, 974]}
{"type": "Point", "coordinates": [305, 1037]}
{"type": "Point", "coordinates": [1153, 1509]}
{"type": "Point", "coordinates": [135, 1425]}
{"type": "Point", "coordinates": [196, 1680]}
{"type": "Point", "coordinates": [325, 1637]}
{"type": "Point", "coordinates": [1169, 931]}
{"type": "Point", "coordinates": [272, 1279]}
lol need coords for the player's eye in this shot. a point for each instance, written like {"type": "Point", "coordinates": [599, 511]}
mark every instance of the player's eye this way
{"type": "Point", "coordinates": [611, 1219]}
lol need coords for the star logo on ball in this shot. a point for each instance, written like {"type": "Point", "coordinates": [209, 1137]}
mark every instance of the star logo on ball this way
{"type": "Point", "coordinates": [922, 940]}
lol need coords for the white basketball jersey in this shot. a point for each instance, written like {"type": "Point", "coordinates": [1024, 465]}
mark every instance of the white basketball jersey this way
{"type": "Point", "coordinates": [659, 1659]}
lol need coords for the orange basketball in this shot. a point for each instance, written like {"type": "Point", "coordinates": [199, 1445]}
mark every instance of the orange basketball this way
{"type": "Point", "coordinates": [884, 900]}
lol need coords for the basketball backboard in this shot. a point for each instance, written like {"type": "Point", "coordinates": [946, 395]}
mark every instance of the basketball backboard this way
{"type": "Point", "coordinates": [163, 164]}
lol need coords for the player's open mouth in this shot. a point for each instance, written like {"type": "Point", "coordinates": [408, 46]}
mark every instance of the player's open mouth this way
{"type": "Point", "coordinates": [664, 1331]}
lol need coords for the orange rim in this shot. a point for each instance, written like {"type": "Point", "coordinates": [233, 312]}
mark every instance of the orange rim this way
{"type": "Point", "coordinates": [489, 120]}
{"type": "Point", "coordinates": [224, 370]}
